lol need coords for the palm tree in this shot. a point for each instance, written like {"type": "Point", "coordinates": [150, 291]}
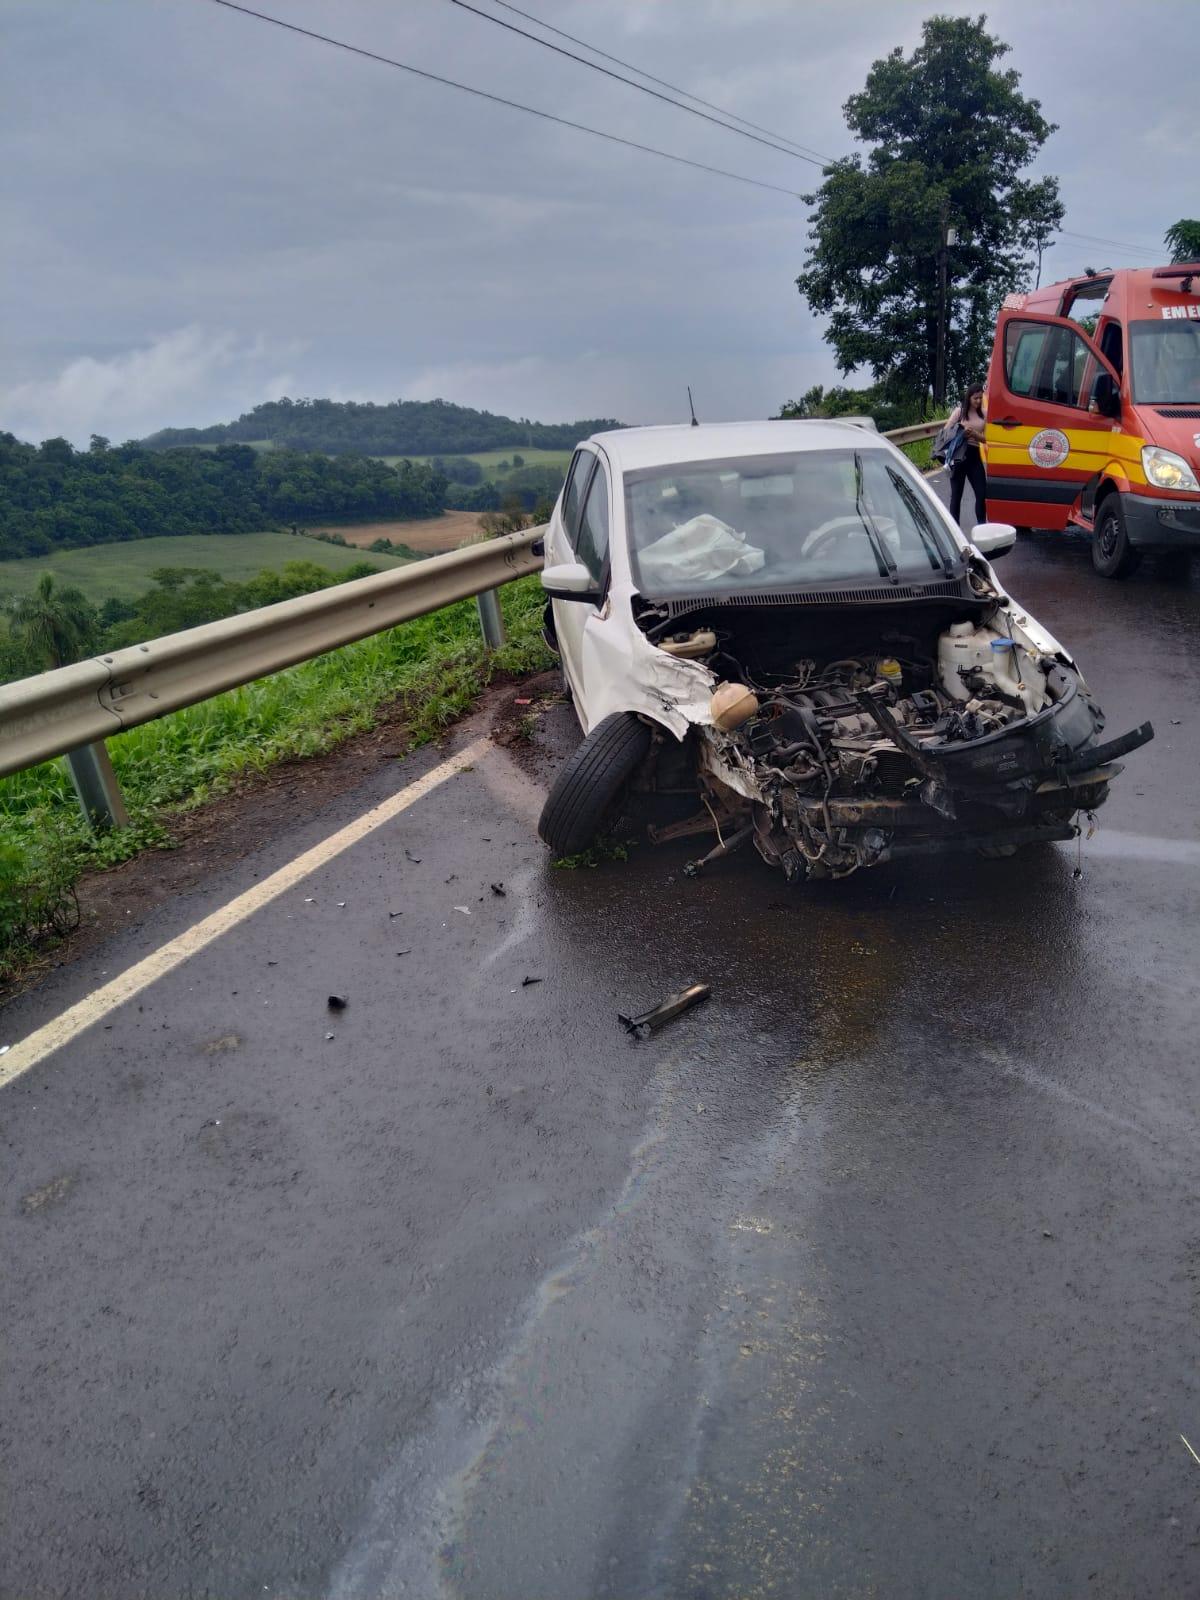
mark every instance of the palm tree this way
{"type": "Point", "coordinates": [1184, 239]}
{"type": "Point", "coordinates": [55, 625]}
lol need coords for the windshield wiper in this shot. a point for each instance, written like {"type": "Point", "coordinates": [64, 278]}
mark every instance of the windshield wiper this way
{"type": "Point", "coordinates": [887, 567]}
{"type": "Point", "coordinates": [905, 491]}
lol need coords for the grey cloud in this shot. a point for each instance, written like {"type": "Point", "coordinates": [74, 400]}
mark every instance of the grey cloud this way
{"type": "Point", "coordinates": [178, 170]}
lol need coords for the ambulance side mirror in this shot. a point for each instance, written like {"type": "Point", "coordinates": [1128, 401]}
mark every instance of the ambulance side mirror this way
{"type": "Point", "coordinates": [1106, 397]}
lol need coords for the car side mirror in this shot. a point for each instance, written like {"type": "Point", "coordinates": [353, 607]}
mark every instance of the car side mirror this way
{"type": "Point", "coordinates": [571, 580]}
{"type": "Point", "coordinates": [1106, 398]}
{"type": "Point", "coordinates": [993, 538]}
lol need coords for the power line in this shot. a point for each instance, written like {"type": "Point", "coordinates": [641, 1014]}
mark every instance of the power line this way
{"type": "Point", "coordinates": [618, 77]}
{"type": "Point", "coordinates": [1116, 244]}
{"type": "Point", "coordinates": [662, 82]}
{"type": "Point", "coordinates": [498, 99]}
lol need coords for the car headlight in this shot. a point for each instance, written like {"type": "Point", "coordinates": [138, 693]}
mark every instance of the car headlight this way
{"type": "Point", "coordinates": [1166, 470]}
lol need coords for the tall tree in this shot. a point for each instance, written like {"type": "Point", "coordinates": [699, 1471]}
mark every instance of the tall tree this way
{"type": "Point", "coordinates": [1183, 239]}
{"type": "Point", "coordinates": [54, 625]}
{"type": "Point", "coordinates": [950, 136]}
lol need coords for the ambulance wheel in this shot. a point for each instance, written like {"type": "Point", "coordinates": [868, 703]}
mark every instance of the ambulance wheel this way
{"type": "Point", "coordinates": [1112, 554]}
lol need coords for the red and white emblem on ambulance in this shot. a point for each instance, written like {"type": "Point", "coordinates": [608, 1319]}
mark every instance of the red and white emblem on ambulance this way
{"type": "Point", "coordinates": [1049, 448]}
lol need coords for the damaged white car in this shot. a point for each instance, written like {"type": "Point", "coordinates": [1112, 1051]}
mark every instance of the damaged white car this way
{"type": "Point", "coordinates": [777, 630]}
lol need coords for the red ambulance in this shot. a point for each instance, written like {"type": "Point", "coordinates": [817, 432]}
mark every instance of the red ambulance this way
{"type": "Point", "coordinates": [1098, 426]}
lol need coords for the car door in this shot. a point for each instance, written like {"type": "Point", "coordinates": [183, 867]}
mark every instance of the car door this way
{"type": "Point", "coordinates": [1043, 443]}
{"type": "Point", "coordinates": [585, 529]}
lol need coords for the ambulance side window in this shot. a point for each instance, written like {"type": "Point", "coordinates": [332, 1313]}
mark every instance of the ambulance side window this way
{"type": "Point", "coordinates": [1045, 363]}
{"type": "Point", "coordinates": [1112, 346]}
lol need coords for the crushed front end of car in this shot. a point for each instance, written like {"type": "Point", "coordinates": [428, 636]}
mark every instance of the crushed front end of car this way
{"type": "Point", "coordinates": [846, 731]}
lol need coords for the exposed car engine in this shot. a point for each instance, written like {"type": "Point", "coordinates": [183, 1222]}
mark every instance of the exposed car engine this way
{"type": "Point", "coordinates": [850, 760]}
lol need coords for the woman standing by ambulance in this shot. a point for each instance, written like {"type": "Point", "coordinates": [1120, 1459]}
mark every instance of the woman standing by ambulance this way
{"type": "Point", "coordinates": [964, 459]}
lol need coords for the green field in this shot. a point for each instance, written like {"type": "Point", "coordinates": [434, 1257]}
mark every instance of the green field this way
{"type": "Point", "coordinates": [489, 460]}
{"type": "Point", "coordinates": [122, 571]}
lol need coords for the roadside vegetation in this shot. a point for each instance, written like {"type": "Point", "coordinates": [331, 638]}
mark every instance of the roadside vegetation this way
{"type": "Point", "coordinates": [54, 497]}
{"type": "Point", "coordinates": [124, 571]}
{"type": "Point", "coordinates": [434, 667]}
{"type": "Point", "coordinates": [943, 175]}
{"type": "Point", "coordinates": [55, 623]}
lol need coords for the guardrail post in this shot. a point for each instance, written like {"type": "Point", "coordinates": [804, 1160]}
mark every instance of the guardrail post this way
{"type": "Point", "coordinates": [96, 784]}
{"type": "Point", "coordinates": [491, 621]}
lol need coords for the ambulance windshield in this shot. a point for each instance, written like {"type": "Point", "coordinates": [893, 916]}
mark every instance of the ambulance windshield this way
{"type": "Point", "coordinates": [1166, 361]}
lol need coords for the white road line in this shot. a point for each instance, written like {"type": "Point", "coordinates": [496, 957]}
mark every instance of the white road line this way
{"type": "Point", "coordinates": [63, 1029]}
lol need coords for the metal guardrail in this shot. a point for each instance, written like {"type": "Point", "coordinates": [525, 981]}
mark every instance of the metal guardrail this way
{"type": "Point", "coordinates": [72, 710]}
{"type": "Point", "coordinates": [57, 712]}
{"type": "Point", "coordinates": [919, 430]}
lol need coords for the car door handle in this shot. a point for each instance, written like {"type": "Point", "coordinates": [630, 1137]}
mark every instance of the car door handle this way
{"type": "Point", "coordinates": [1006, 422]}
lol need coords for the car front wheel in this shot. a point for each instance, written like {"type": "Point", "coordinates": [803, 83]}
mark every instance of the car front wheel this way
{"type": "Point", "coordinates": [1112, 554]}
{"type": "Point", "coordinates": [588, 792]}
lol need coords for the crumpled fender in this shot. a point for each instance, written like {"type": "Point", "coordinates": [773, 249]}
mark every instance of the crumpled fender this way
{"type": "Point", "coordinates": [1027, 630]}
{"type": "Point", "coordinates": [631, 674]}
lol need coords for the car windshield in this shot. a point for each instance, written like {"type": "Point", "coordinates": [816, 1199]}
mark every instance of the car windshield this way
{"type": "Point", "coordinates": [780, 521]}
{"type": "Point", "coordinates": [1166, 362]}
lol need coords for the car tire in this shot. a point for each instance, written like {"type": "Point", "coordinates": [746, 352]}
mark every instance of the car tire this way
{"type": "Point", "coordinates": [588, 792]}
{"type": "Point", "coordinates": [1112, 554]}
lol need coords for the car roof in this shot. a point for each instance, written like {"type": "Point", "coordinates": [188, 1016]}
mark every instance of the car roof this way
{"type": "Point", "coordinates": [632, 448]}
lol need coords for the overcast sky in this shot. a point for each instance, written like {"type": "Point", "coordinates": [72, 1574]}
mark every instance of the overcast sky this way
{"type": "Point", "coordinates": [202, 211]}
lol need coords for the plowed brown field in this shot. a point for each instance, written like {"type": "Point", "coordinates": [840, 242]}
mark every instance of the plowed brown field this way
{"type": "Point", "coordinates": [446, 532]}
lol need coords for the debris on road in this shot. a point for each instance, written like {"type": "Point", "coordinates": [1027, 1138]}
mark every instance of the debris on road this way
{"type": "Point", "coordinates": [407, 952]}
{"type": "Point", "coordinates": [498, 888]}
{"type": "Point", "coordinates": [673, 1006]}
{"type": "Point", "coordinates": [337, 1002]}
{"type": "Point", "coordinates": [410, 857]}
{"type": "Point", "coordinates": [525, 982]}
{"type": "Point", "coordinates": [1190, 1451]}
{"type": "Point", "coordinates": [392, 914]}
{"type": "Point", "coordinates": [466, 910]}
{"type": "Point", "coordinates": [328, 1037]}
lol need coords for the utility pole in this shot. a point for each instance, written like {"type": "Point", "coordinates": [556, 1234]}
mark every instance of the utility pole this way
{"type": "Point", "coordinates": [946, 237]}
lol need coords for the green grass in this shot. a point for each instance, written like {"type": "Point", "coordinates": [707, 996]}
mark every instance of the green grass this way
{"type": "Point", "coordinates": [489, 460]}
{"type": "Point", "coordinates": [918, 452]}
{"type": "Point", "coordinates": [436, 665]}
{"type": "Point", "coordinates": [122, 571]}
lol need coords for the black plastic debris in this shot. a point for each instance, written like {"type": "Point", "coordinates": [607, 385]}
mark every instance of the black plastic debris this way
{"type": "Point", "coordinates": [410, 857]}
{"type": "Point", "coordinates": [498, 888]}
{"type": "Point", "coordinates": [525, 982]}
{"type": "Point", "coordinates": [666, 1011]}
{"type": "Point", "coordinates": [337, 1002]}
{"type": "Point", "coordinates": [393, 914]}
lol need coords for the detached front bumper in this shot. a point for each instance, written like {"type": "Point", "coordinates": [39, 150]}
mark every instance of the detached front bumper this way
{"type": "Point", "coordinates": [1161, 524]}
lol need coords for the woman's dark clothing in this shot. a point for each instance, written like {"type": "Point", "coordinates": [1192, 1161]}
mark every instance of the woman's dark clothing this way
{"type": "Point", "coordinates": [969, 469]}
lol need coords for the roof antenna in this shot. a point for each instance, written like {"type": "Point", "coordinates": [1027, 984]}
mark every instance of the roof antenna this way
{"type": "Point", "coordinates": [691, 407]}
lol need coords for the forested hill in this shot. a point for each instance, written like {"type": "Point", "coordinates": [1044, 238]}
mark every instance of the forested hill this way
{"type": "Point", "coordinates": [401, 427]}
{"type": "Point", "coordinates": [55, 497]}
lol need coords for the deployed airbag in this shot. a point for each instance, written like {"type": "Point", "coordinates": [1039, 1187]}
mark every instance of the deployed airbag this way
{"type": "Point", "coordinates": [700, 550]}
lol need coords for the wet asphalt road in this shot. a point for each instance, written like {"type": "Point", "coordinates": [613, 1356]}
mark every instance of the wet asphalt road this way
{"type": "Point", "coordinates": [876, 1275]}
